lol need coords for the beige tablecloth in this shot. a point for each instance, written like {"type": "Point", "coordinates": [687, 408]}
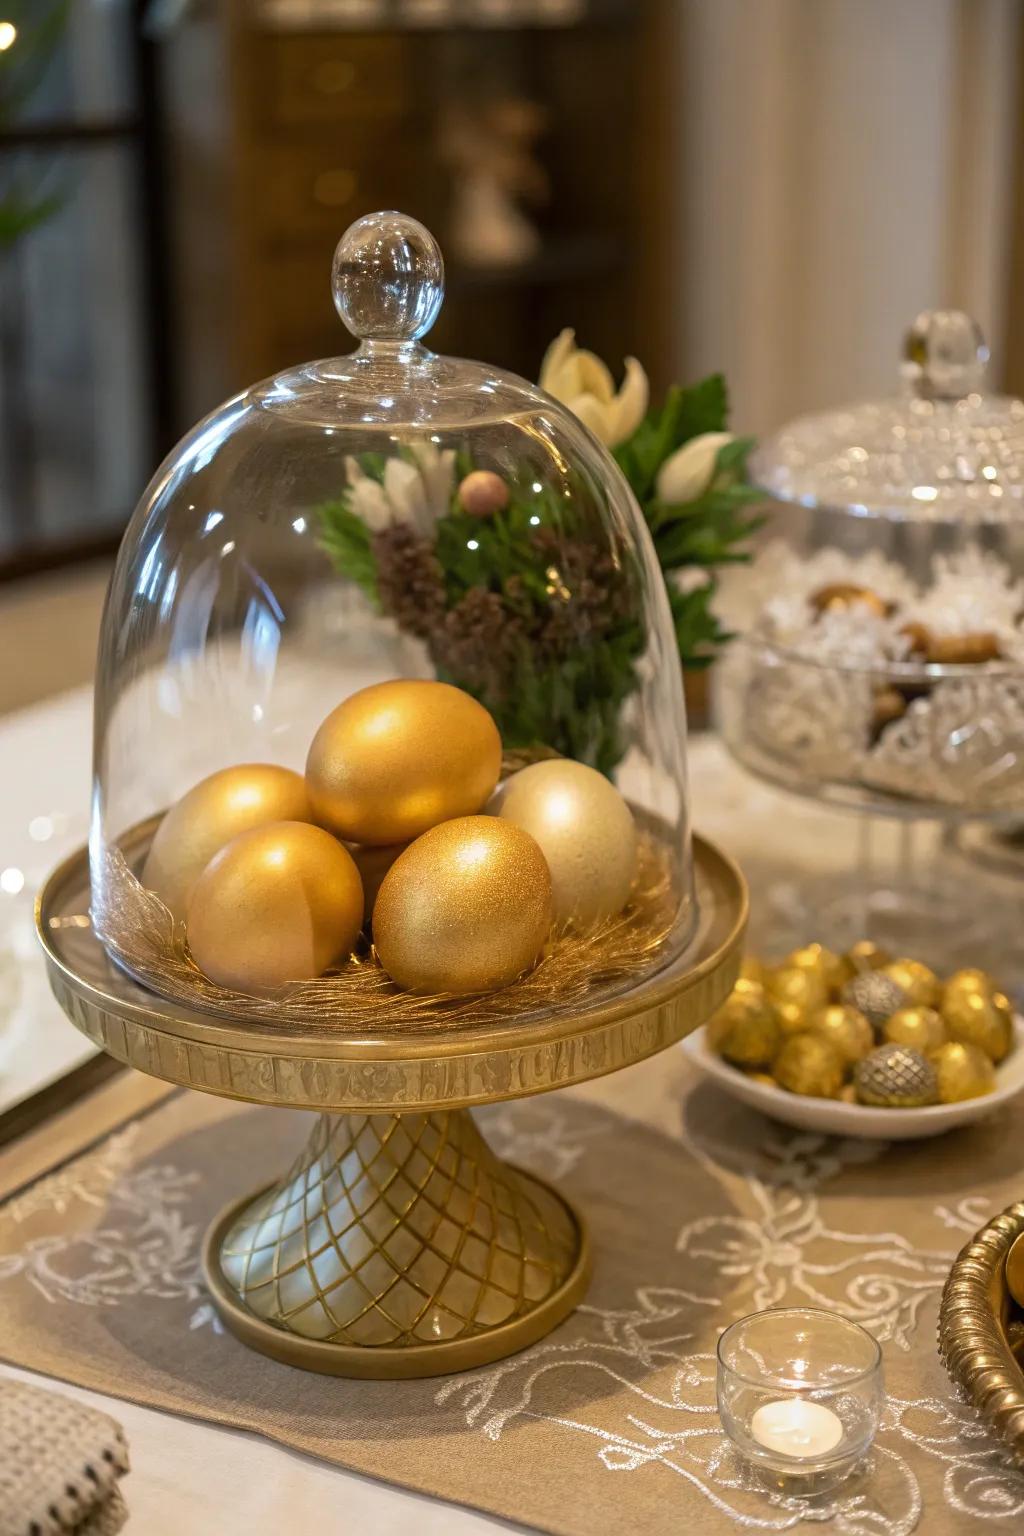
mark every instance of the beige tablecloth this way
{"type": "Point", "coordinates": [700, 1212]}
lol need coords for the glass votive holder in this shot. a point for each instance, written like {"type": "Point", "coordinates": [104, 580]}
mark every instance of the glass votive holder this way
{"type": "Point", "coordinates": [800, 1392]}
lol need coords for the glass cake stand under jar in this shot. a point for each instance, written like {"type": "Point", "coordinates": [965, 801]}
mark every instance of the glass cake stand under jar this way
{"type": "Point", "coordinates": [444, 859]}
{"type": "Point", "coordinates": [879, 659]}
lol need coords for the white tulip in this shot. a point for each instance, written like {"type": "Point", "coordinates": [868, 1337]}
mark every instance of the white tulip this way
{"type": "Point", "coordinates": [687, 473]}
{"type": "Point", "coordinates": [366, 498]}
{"type": "Point", "coordinates": [417, 493]}
{"type": "Point", "coordinates": [580, 380]}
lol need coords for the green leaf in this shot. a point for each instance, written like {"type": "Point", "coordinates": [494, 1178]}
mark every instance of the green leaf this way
{"type": "Point", "coordinates": [346, 538]}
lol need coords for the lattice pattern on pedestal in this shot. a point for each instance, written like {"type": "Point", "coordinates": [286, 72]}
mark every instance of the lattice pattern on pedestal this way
{"type": "Point", "coordinates": [398, 1230]}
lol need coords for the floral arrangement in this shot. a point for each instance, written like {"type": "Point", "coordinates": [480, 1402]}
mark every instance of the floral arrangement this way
{"type": "Point", "coordinates": [515, 599]}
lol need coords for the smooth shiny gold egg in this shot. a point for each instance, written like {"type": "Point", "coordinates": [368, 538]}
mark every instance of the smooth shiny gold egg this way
{"type": "Point", "coordinates": [280, 903]}
{"type": "Point", "coordinates": [865, 955]}
{"type": "Point", "coordinates": [809, 1065]}
{"type": "Point", "coordinates": [834, 969]}
{"type": "Point", "coordinates": [964, 1072]}
{"type": "Point", "coordinates": [806, 989]}
{"type": "Point", "coordinates": [399, 757]}
{"type": "Point", "coordinates": [970, 979]}
{"type": "Point", "coordinates": [917, 980]}
{"type": "Point", "coordinates": [584, 829]}
{"type": "Point", "coordinates": [745, 1030]}
{"type": "Point", "coordinates": [466, 908]}
{"type": "Point", "coordinates": [844, 1027]}
{"type": "Point", "coordinates": [209, 816]}
{"type": "Point", "coordinates": [980, 1018]}
{"type": "Point", "coordinates": [920, 1027]}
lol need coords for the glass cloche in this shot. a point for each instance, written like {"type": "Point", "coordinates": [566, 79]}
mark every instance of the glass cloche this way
{"type": "Point", "coordinates": [881, 663]}
{"type": "Point", "coordinates": [389, 717]}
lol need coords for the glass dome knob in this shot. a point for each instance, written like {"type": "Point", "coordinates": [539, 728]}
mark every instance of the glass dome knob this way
{"type": "Point", "coordinates": [388, 278]}
{"type": "Point", "coordinates": [944, 355]}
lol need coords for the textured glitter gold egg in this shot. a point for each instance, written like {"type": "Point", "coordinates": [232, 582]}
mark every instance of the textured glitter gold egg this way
{"type": "Point", "coordinates": [399, 757]}
{"type": "Point", "coordinates": [920, 1027]}
{"type": "Point", "coordinates": [834, 969]}
{"type": "Point", "coordinates": [280, 903]}
{"type": "Point", "coordinates": [466, 908]}
{"type": "Point", "coordinates": [808, 1065]}
{"type": "Point", "coordinates": [964, 1072]}
{"type": "Point", "coordinates": [203, 821]}
{"type": "Point", "coordinates": [979, 1018]}
{"type": "Point", "coordinates": [584, 829]}
{"type": "Point", "coordinates": [807, 989]}
{"type": "Point", "coordinates": [373, 864]}
{"type": "Point", "coordinates": [745, 1030]}
{"type": "Point", "coordinates": [844, 1027]}
{"type": "Point", "coordinates": [918, 981]}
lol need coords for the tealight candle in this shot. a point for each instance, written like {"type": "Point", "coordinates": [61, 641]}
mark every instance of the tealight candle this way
{"type": "Point", "coordinates": [796, 1427]}
{"type": "Point", "coordinates": [799, 1394]}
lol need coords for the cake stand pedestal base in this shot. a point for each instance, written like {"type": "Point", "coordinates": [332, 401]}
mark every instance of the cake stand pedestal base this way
{"type": "Point", "coordinates": [397, 1246]}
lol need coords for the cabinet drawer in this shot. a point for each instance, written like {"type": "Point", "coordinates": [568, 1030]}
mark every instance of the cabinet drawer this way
{"type": "Point", "coordinates": [319, 79]}
{"type": "Point", "coordinates": [311, 190]}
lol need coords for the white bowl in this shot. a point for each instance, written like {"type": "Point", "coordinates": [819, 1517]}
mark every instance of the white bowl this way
{"type": "Point", "coordinates": [832, 1117]}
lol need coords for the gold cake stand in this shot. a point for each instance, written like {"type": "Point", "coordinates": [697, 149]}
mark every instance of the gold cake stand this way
{"type": "Point", "coordinates": [398, 1244]}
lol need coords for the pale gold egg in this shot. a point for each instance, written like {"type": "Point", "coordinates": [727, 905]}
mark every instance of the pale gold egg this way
{"type": "Point", "coordinates": [280, 903]}
{"type": "Point", "coordinates": [466, 908]}
{"type": "Point", "coordinates": [585, 831]}
{"type": "Point", "coordinates": [214, 811]}
{"type": "Point", "coordinates": [399, 757]}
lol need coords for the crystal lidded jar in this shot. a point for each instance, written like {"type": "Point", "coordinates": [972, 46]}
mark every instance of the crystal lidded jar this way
{"type": "Point", "coordinates": [385, 514]}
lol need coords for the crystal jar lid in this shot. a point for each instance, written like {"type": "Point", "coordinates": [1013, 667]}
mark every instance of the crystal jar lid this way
{"type": "Point", "coordinates": [944, 451]}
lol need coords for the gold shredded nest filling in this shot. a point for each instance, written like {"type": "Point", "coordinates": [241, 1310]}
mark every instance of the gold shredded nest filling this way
{"type": "Point", "coordinates": [143, 937]}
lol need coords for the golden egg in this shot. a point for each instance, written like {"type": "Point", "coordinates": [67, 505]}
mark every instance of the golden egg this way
{"type": "Point", "coordinates": [584, 829]}
{"type": "Point", "coordinates": [466, 908]}
{"type": "Point", "coordinates": [745, 1030]}
{"type": "Point", "coordinates": [373, 864]}
{"type": "Point", "coordinates": [844, 1027]}
{"type": "Point", "coordinates": [834, 969]}
{"type": "Point", "coordinates": [918, 981]}
{"type": "Point", "coordinates": [970, 979]}
{"type": "Point", "coordinates": [216, 810]}
{"type": "Point", "coordinates": [807, 1064]}
{"type": "Point", "coordinates": [964, 1072]}
{"type": "Point", "coordinates": [752, 969]}
{"type": "Point", "coordinates": [399, 757]}
{"type": "Point", "coordinates": [920, 1027]}
{"type": "Point", "coordinates": [280, 903]}
{"type": "Point", "coordinates": [980, 1018]}
{"type": "Point", "coordinates": [807, 989]}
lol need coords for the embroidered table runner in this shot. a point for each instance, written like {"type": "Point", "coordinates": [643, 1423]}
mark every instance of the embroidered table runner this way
{"type": "Point", "coordinates": [699, 1210]}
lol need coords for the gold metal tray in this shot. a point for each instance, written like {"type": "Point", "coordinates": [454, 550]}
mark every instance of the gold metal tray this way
{"type": "Point", "coordinates": [398, 1244]}
{"type": "Point", "coordinates": [973, 1330]}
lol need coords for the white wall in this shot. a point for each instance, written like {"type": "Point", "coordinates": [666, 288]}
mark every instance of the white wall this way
{"type": "Point", "coordinates": [846, 164]}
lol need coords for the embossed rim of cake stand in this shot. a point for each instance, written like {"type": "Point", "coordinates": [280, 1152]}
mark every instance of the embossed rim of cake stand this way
{"type": "Point", "coordinates": [972, 1330]}
{"type": "Point", "coordinates": [395, 1072]}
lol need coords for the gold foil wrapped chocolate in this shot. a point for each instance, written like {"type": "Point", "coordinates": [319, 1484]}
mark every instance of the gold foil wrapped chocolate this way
{"type": "Point", "coordinates": [963, 1072]}
{"type": "Point", "coordinates": [810, 1065]}
{"type": "Point", "coordinates": [745, 1030]}
{"type": "Point", "coordinates": [845, 1028]}
{"type": "Point", "coordinates": [979, 1018]}
{"type": "Point", "coordinates": [798, 985]}
{"type": "Point", "coordinates": [920, 1027]}
{"type": "Point", "coordinates": [834, 970]}
{"type": "Point", "coordinates": [918, 981]}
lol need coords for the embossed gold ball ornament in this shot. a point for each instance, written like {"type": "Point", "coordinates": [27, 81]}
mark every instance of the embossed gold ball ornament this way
{"type": "Point", "coordinates": [745, 1030]}
{"type": "Point", "coordinates": [280, 903]}
{"type": "Point", "coordinates": [917, 980]}
{"type": "Point", "coordinates": [896, 1077]}
{"type": "Point", "coordinates": [920, 1027]}
{"type": "Point", "coordinates": [796, 984]}
{"type": "Point", "coordinates": [810, 1065]}
{"type": "Point", "coordinates": [398, 758]}
{"type": "Point", "coordinates": [844, 1027]}
{"type": "Point", "coordinates": [209, 816]}
{"type": "Point", "coordinates": [984, 1019]}
{"type": "Point", "coordinates": [833, 969]}
{"type": "Point", "coordinates": [466, 908]}
{"type": "Point", "coordinates": [964, 1072]}
{"type": "Point", "coordinates": [585, 830]}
